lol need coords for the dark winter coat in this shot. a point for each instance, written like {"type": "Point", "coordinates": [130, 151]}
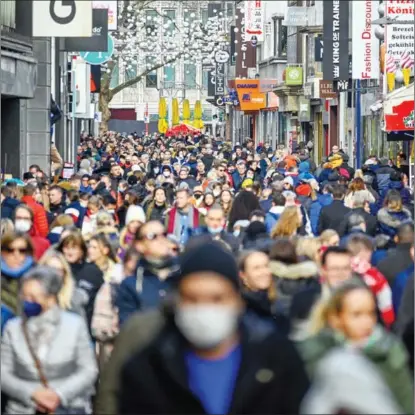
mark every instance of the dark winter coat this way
{"type": "Point", "coordinates": [291, 279]}
{"type": "Point", "coordinates": [389, 221]}
{"type": "Point", "coordinates": [315, 210]}
{"type": "Point", "coordinates": [383, 179]}
{"type": "Point", "coordinates": [271, 377]}
{"type": "Point", "coordinates": [371, 222]}
{"type": "Point", "coordinates": [8, 207]}
{"type": "Point", "coordinates": [332, 216]}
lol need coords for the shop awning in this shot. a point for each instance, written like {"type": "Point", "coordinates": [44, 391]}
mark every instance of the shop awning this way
{"type": "Point", "coordinates": [398, 110]}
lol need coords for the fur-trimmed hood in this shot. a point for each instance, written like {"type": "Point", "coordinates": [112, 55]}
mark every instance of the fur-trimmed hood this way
{"type": "Point", "coordinates": [306, 269]}
{"type": "Point", "coordinates": [393, 219]}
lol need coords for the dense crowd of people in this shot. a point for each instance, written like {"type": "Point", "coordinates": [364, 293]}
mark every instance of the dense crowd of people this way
{"type": "Point", "coordinates": [187, 274]}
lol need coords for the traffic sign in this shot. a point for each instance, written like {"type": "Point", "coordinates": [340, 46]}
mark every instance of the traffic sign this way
{"type": "Point", "coordinates": [98, 58]}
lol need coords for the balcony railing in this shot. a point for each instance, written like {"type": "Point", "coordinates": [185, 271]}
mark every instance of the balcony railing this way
{"type": "Point", "coordinates": [8, 15]}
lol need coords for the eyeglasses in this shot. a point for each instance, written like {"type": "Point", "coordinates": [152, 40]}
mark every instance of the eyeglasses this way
{"type": "Point", "coordinates": [152, 236]}
{"type": "Point", "coordinates": [221, 170]}
{"type": "Point", "coordinates": [22, 218]}
{"type": "Point", "coordinates": [12, 250]}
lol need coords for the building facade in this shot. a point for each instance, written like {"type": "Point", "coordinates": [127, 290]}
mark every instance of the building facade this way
{"type": "Point", "coordinates": [25, 91]}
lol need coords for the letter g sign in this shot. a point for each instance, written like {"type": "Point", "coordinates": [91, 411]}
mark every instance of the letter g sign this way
{"type": "Point", "coordinates": [63, 20]}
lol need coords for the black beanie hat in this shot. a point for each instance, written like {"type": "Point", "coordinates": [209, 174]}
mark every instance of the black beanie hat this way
{"type": "Point", "coordinates": [209, 256]}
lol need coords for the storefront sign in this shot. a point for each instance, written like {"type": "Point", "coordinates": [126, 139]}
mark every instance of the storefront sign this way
{"type": "Point", "coordinates": [211, 69]}
{"type": "Point", "coordinates": [267, 85]}
{"type": "Point", "coordinates": [112, 7]}
{"type": "Point", "coordinates": [53, 19]}
{"type": "Point", "coordinates": [233, 46]}
{"type": "Point", "coordinates": [402, 118]}
{"type": "Point", "coordinates": [98, 42]}
{"type": "Point", "coordinates": [254, 20]}
{"type": "Point", "coordinates": [326, 90]}
{"type": "Point", "coordinates": [294, 76]}
{"type": "Point", "coordinates": [246, 52]}
{"type": "Point", "coordinates": [365, 50]}
{"type": "Point", "coordinates": [296, 16]}
{"type": "Point", "coordinates": [308, 90]}
{"type": "Point", "coordinates": [249, 95]}
{"type": "Point", "coordinates": [399, 38]}
{"type": "Point", "coordinates": [336, 40]}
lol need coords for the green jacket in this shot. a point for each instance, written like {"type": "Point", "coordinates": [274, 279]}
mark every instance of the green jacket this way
{"type": "Point", "coordinates": [384, 350]}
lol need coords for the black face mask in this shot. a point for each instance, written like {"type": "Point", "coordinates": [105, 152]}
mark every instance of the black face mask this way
{"type": "Point", "coordinates": [197, 196]}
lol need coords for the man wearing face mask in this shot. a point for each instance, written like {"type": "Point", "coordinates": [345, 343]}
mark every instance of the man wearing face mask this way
{"type": "Point", "coordinates": [215, 229]}
{"type": "Point", "coordinates": [206, 356]}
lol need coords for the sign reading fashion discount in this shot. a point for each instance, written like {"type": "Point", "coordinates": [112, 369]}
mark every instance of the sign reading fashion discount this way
{"type": "Point", "coordinates": [365, 52]}
{"type": "Point", "coordinates": [254, 20]}
{"type": "Point", "coordinates": [399, 38]}
{"type": "Point", "coordinates": [336, 40]}
{"type": "Point", "coordinates": [62, 18]}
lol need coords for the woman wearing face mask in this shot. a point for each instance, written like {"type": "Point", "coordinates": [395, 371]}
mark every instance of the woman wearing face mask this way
{"type": "Point", "coordinates": [23, 222]}
{"type": "Point", "coordinates": [88, 277]}
{"type": "Point", "coordinates": [213, 345]}
{"type": "Point", "coordinates": [16, 259]}
{"type": "Point", "coordinates": [70, 298]}
{"type": "Point", "coordinates": [47, 363]}
{"type": "Point", "coordinates": [347, 318]}
{"type": "Point", "coordinates": [156, 209]}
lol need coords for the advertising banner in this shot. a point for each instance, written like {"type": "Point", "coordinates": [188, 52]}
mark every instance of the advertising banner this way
{"type": "Point", "coordinates": [98, 42]}
{"type": "Point", "coordinates": [336, 40]}
{"type": "Point", "coordinates": [249, 95]}
{"type": "Point", "coordinates": [254, 20]}
{"type": "Point", "coordinates": [246, 52]}
{"type": "Point", "coordinates": [365, 47]}
{"type": "Point", "coordinates": [399, 38]}
{"type": "Point", "coordinates": [112, 7]}
{"type": "Point", "coordinates": [211, 69]}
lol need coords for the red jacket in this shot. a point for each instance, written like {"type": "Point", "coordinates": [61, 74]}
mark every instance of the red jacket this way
{"type": "Point", "coordinates": [40, 221]}
{"type": "Point", "coordinates": [41, 244]}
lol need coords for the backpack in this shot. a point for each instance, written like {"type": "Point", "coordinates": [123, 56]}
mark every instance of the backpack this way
{"type": "Point", "coordinates": [343, 172]}
{"type": "Point", "coordinates": [105, 322]}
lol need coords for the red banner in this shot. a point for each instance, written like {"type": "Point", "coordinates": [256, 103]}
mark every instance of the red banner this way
{"type": "Point", "coordinates": [402, 118]}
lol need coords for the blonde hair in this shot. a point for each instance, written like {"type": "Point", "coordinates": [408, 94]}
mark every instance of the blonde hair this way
{"type": "Point", "coordinates": [287, 224]}
{"type": "Point", "coordinates": [104, 219]}
{"type": "Point", "coordinates": [327, 235]}
{"type": "Point", "coordinates": [331, 302]}
{"type": "Point", "coordinates": [7, 226]}
{"type": "Point", "coordinates": [68, 286]}
{"type": "Point", "coordinates": [62, 220]}
{"type": "Point", "coordinates": [309, 247]}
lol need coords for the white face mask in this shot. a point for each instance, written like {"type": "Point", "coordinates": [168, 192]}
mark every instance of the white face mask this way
{"type": "Point", "coordinates": [236, 233]}
{"type": "Point", "coordinates": [206, 326]}
{"type": "Point", "coordinates": [22, 225]}
{"type": "Point", "coordinates": [166, 173]}
{"type": "Point", "coordinates": [84, 204]}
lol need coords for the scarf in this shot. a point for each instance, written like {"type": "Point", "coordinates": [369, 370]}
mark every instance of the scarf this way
{"type": "Point", "coordinates": [174, 226]}
{"type": "Point", "coordinates": [16, 272]}
{"type": "Point", "coordinates": [41, 329]}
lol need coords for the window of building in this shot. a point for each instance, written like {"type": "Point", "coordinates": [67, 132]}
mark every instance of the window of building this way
{"type": "Point", "coordinates": [130, 73]}
{"type": "Point", "coordinates": [169, 75]}
{"type": "Point", "coordinates": [280, 38]}
{"type": "Point", "coordinates": [310, 3]}
{"type": "Point", "coordinates": [190, 75]}
{"type": "Point", "coordinates": [169, 19]}
{"type": "Point", "coordinates": [150, 24]}
{"type": "Point", "coordinates": [205, 79]}
{"type": "Point", "coordinates": [189, 15]}
{"type": "Point", "coordinates": [204, 16]}
{"type": "Point", "coordinates": [115, 77]}
{"type": "Point", "coordinates": [151, 77]}
{"type": "Point", "coordinates": [8, 15]}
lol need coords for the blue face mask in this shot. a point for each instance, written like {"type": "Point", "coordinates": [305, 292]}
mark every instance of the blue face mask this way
{"type": "Point", "coordinates": [31, 309]}
{"type": "Point", "coordinates": [214, 231]}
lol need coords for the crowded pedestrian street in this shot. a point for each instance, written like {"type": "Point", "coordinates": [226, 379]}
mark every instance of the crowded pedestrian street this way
{"type": "Point", "coordinates": [207, 207]}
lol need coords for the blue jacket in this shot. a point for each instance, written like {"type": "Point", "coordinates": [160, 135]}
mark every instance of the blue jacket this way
{"type": "Point", "coordinates": [399, 285]}
{"type": "Point", "coordinates": [78, 212]}
{"type": "Point", "coordinates": [404, 192]}
{"type": "Point", "coordinates": [237, 180]}
{"type": "Point", "coordinates": [141, 292]}
{"type": "Point", "coordinates": [383, 179]}
{"type": "Point", "coordinates": [271, 218]}
{"type": "Point", "coordinates": [315, 209]}
{"type": "Point", "coordinates": [266, 204]}
{"type": "Point", "coordinates": [8, 207]}
{"type": "Point", "coordinates": [324, 175]}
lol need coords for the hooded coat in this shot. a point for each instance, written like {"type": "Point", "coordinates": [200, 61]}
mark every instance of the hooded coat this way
{"type": "Point", "coordinates": [390, 221]}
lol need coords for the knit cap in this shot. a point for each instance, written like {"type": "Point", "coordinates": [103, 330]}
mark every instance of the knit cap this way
{"type": "Point", "coordinates": [209, 256]}
{"type": "Point", "coordinates": [135, 213]}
